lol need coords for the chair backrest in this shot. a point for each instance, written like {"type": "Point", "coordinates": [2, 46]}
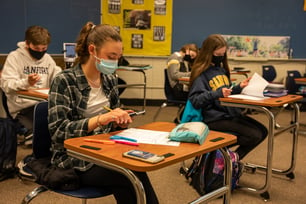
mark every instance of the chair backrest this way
{"type": "Point", "coordinates": [41, 136]}
{"type": "Point", "coordinates": [291, 86]}
{"type": "Point", "coordinates": [268, 72]}
{"type": "Point", "coordinates": [169, 91]}
{"type": "Point", "coordinates": [167, 88]}
{"type": "Point", "coordinates": [3, 105]}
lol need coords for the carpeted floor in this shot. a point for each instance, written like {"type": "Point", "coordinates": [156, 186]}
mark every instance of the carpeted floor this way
{"type": "Point", "coordinates": [172, 188]}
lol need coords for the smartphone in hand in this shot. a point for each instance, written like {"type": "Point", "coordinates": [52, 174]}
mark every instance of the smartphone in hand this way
{"type": "Point", "coordinates": [143, 156]}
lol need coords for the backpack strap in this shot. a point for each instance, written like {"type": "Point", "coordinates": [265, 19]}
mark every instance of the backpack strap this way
{"type": "Point", "coordinates": [4, 103]}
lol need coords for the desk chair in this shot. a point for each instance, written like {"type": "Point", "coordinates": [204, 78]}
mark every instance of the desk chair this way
{"type": "Point", "coordinates": [170, 99]}
{"type": "Point", "coordinates": [41, 149]}
{"type": "Point", "coordinates": [268, 73]}
{"type": "Point", "coordinates": [293, 88]}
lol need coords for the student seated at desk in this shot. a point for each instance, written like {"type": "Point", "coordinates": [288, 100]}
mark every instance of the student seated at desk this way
{"type": "Point", "coordinates": [29, 66]}
{"type": "Point", "coordinates": [76, 100]}
{"type": "Point", "coordinates": [209, 81]}
{"type": "Point", "coordinates": [179, 65]}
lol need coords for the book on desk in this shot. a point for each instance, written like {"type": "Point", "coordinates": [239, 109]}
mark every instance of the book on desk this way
{"type": "Point", "coordinates": [259, 89]}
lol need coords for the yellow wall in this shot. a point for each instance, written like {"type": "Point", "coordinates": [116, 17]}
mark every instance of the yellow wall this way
{"type": "Point", "coordinates": [161, 46]}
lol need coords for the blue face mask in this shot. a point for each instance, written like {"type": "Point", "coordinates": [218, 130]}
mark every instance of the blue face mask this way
{"type": "Point", "coordinates": [106, 66]}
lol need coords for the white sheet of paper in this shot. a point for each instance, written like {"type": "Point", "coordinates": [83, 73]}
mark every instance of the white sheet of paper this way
{"type": "Point", "coordinates": [254, 90]}
{"type": "Point", "coordinates": [243, 96]}
{"type": "Point", "coordinates": [256, 86]}
{"type": "Point", "coordinates": [43, 91]}
{"type": "Point", "coordinates": [149, 136]}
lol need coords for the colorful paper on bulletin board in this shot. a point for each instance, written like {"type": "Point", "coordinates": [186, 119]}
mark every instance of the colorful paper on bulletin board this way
{"type": "Point", "coordinates": [248, 46]}
{"type": "Point", "coordinates": [145, 25]}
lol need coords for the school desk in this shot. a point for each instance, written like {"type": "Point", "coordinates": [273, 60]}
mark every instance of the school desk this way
{"type": "Point", "coordinates": [34, 94]}
{"type": "Point", "coordinates": [301, 81]}
{"type": "Point", "coordinates": [110, 156]}
{"type": "Point", "coordinates": [137, 68]}
{"type": "Point", "coordinates": [264, 106]}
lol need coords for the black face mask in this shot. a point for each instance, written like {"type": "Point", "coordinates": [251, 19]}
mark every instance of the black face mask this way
{"type": "Point", "coordinates": [217, 60]}
{"type": "Point", "coordinates": [36, 54]}
{"type": "Point", "coordinates": [187, 58]}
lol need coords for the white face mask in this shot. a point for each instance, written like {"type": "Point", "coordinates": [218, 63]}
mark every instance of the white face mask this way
{"type": "Point", "coordinates": [106, 66]}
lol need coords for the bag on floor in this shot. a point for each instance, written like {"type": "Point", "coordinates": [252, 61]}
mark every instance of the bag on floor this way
{"type": "Point", "coordinates": [207, 171]}
{"type": "Point", "coordinates": [8, 144]}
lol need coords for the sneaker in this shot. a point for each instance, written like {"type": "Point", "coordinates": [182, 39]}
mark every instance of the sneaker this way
{"type": "Point", "coordinates": [28, 139]}
{"type": "Point", "coordinates": [22, 167]}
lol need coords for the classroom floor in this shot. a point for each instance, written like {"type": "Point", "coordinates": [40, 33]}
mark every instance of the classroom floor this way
{"type": "Point", "coordinates": [172, 188]}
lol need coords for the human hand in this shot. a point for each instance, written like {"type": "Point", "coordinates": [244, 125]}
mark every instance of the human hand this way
{"type": "Point", "coordinates": [245, 82]}
{"type": "Point", "coordinates": [226, 92]}
{"type": "Point", "coordinates": [33, 79]}
{"type": "Point", "coordinates": [120, 117]}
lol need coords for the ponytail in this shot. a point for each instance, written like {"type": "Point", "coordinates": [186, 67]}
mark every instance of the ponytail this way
{"type": "Point", "coordinates": [94, 34]}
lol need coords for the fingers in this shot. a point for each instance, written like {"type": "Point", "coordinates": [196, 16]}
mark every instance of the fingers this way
{"type": "Point", "coordinates": [33, 78]}
{"type": "Point", "coordinates": [120, 116]}
{"type": "Point", "coordinates": [226, 92]}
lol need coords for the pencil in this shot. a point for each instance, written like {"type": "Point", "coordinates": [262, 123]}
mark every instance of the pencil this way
{"type": "Point", "coordinates": [107, 108]}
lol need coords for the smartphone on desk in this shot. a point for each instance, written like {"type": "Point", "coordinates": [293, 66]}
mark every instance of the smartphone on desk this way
{"type": "Point", "coordinates": [143, 156]}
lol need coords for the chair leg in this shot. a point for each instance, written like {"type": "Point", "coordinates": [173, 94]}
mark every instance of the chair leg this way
{"type": "Point", "coordinates": [33, 194]}
{"type": "Point", "coordinates": [179, 113]}
{"type": "Point", "coordinates": [158, 111]}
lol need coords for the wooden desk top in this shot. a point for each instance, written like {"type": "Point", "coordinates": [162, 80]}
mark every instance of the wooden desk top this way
{"type": "Point", "coordinates": [240, 71]}
{"type": "Point", "coordinates": [135, 67]}
{"type": "Point", "coordinates": [300, 80]}
{"type": "Point", "coordinates": [113, 153]}
{"type": "Point", "coordinates": [186, 79]}
{"type": "Point", "coordinates": [269, 102]}
{"type": "Point", "coordinates": [34, 94]}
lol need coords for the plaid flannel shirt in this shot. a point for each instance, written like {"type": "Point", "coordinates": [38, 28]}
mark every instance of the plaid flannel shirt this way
{"type": "Point", "coordinates": [68, 97]}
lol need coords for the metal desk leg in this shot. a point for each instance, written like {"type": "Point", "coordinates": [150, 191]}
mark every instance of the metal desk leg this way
{"type": "Point", "coordinates": [144, 89]}
{"type": "Point", "coordinates": [268, 168]}
{"type": "Point", "coordinates": [226, 189]}
{"type": "Point", "coordinates": [264, 190]}
{"type": "Point", "coordinates": [139, 190]}
{"type": "Point", "coordinates": [144, 85]}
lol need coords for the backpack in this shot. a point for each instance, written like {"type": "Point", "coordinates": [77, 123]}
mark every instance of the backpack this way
{"type": "Point", "coordinates": [8, 143]}
{"type": "Point", "coordinates": [207, 171]}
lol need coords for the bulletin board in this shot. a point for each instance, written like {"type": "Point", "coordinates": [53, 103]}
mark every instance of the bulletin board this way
{"type": "Point", "coordinates": [145, 25]}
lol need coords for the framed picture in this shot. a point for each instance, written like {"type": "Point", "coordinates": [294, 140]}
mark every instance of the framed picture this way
{"type": "Point", "coordinates": [137, 19]}
{"type": "Point", "coordinates": [257, 46]}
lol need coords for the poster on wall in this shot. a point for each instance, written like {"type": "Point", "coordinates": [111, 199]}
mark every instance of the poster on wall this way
{"type": "Point", "coordinates": [257, 46]}
{"type": "Point", "coordinates": [145, 25]}
{"type": "Point", "coordinates": [114, 6]}
{"type": "Point", "coordinates": [137, 19]}
{"type": "Point", "coordinates": [160, 7]}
